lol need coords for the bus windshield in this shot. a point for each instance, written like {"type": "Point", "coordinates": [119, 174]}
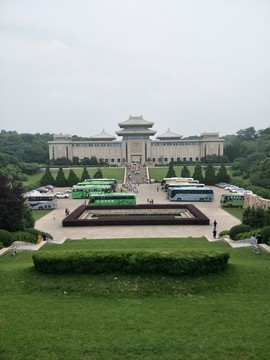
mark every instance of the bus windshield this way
{"type": "Point", "coordinates": [192, 194]}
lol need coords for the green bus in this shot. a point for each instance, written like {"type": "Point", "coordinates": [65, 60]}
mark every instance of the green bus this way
{"type": "Point", "coordinates": [100, 179]}
{"type": "Point", "coordinates": [232, 200]}
{"type": "Point", "coordinates": [98, 182]}
{"type": "Point", "coordinates": [84, 192]}
{"type": "Point", "coordinates": [112, 199]}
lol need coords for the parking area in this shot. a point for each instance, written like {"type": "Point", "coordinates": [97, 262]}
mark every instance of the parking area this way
{"type": "Point", "coordinates": [52, 223]}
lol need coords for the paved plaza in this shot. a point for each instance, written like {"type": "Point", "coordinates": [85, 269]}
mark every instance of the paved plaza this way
{"type": "Point", "coordinates": [52, 223]}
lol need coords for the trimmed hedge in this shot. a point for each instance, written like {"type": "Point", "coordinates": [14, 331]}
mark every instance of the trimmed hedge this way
{"type": "Point", "coordinates": [238, 229]}
{"type": "Point", "coordinates": [96, 262]}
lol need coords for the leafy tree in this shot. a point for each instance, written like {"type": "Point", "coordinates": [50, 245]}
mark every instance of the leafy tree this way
{"type": "Point", "coordinates": [198, 174]}
{"type": "Point", "coordinates": [247, 134]}
{"type": "Point", "coordinates": [210, 177]}
{"type": "Point", "coordinates": [185, 172]}
{"type": "Point", "coordinates": [93, 160]}
{"type": "Point", "coordinates": [171, 172]}
{"type": "Point", "coordinates": [12, 208]}
{"type": "Point", "coordinates": [47, 178]}
{"type": "Point", "coordinates": [72, 178]}
{"type": "Point", "coordinates": [255, 217]}
{"type": "Point", "coordinates": [85, 174]}
{"type": "Point", "coordinates": [260, 173]}
{"type": "Point", "coordinates": [60, 180]}
{"type": "Point", "coordinates": [75, 160]}
{"type": "Point", "coordinates": [222, 175]}
{"type": "Point", "coordinates": [98, 174]}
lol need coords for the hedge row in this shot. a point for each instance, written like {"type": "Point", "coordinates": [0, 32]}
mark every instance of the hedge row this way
{"type": "Point", "coordinates": [96, 262]}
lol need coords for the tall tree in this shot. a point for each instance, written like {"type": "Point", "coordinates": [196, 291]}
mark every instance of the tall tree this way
{"type": "Point", "coordinates": [197, 175]}
{"type": "Point", "coordinates": [98, 174]}
{"type": "Point", "coordinates": [171, 172]}
{"type": "Point", "coordinates": [72, 178]}
{"type": "Point", "coordinates": [60, 180]}
{"type": "Point", "coordinates": [47, 178]}
{"type": "Point", "coordinates": [85, 174]}
{"type": "Point", "coordinates": [12, 207]}
{"type": "Point", "coordinates": [210, 176]}
{"type": "Point", "coordinates": [185, 172]}
{"type": "Point", "coordinates": [222, 175]}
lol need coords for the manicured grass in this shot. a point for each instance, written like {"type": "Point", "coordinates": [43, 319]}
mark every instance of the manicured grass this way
{"type": "Point", "coordinates": [218, 316]}
{"type": "Point", "coordinates": [237, 212]}
{"type": "Point", "coordinates": [38, 214]}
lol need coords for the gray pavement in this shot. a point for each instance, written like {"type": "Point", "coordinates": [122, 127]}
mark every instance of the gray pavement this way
{"type": "Point", "coordinates": [145, 191]}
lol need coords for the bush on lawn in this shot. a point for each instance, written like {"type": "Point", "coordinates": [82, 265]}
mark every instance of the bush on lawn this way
{"type": "Point", "coordinates": [265, 232]}
{"type": "Point", "coordinates": [95, 262]}
{"type": "Point", "coordinates": [237, 229]}
{"type": "Point", "coordinates": [24, 236]}
{"type": "Point", "coordinates": [36, 232]}
{"type": "Point", "coordinates": [5, 238]}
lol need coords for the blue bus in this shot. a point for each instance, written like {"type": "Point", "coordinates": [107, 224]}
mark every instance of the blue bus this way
{"type": "Point", "coordinates": [192, 194]}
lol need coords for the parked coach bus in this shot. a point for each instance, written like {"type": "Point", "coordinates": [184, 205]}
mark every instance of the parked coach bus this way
{"type": "Point", "coordinates": [112, 199]}
{"type": "Point", "coordinates": [232, 200]}
{"type": "Point", "coordinates": [98, 182]}
{"type": "Point", "coordinates": [41, 201]}
{"type": "Point", "coordinates": [168, 187]}
{"type": "Point", "coordinates": [192, 194]}
{"type": "Point", "coordinates": [174, 180]}
{"type": "Point", "coordinates": [178, 186]}
{"type": "Point", "coordinates": [84, 192]}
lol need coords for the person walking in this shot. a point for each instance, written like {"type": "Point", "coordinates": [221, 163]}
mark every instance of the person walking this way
{"type": "Point", "coordinates": [215, 224]}
{"type": "Point", "coordinates": [214, 233]}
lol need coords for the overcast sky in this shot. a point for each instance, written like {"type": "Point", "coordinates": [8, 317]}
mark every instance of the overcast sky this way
{"type": "Point", "coordinates": [78, 67]}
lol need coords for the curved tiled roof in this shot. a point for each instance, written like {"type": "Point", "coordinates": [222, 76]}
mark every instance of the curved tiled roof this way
{"type": "Point", "coordinates": [135, 121]}
{"type": "Point", "coordinates": [103, 136]}
{"type": "Point", "coordinates": [169, 135]}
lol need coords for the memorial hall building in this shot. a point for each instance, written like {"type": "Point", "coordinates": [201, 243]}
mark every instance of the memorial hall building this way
{"type": "Point", "coordinates": [136, 145]}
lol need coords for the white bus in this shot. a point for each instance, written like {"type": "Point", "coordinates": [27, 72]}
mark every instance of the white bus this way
{"type": "Point", "coordinates": [177, 180]}
{"type": "Point", "coordinates": [192, 194]}
{"type": "Point", "coordinates": [178, 186]}
{"type": "Point", "coordinates": [41, 201]}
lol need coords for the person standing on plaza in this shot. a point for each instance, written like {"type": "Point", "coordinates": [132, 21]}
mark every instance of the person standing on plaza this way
{"type": "Point", "coordinates": [215, 224]}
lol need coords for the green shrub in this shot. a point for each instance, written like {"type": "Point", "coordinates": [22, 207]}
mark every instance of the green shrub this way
{"type": "Point", "coordinates": [36, 232]}
{"type": "Point", "coordinates": [95, 262]}
{"type": "Point", "coordinates": [237, 229]}
{"type": "Point", "coordinates": [265, 232]}
{"type": "Point", "coordinates": [224, 232]}
{"type": "Point", "coordinates": [5, 238]}
{"type": "Point", "coordinates": [24, 236]}
{"type": "Point", "coordinates": [1, 245]}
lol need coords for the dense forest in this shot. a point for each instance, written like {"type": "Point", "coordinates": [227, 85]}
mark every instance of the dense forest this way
{"type": "Point", "coordinates": [247, 152]}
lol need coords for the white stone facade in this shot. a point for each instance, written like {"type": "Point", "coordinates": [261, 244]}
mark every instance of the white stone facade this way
{"type": "Point", "coordinates": [136, 145]}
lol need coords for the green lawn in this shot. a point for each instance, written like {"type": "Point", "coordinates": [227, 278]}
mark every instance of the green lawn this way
{"type": "Point", "coordinates": [219, 316]}
{"type": "Point", "coordinates": [237, 212]}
